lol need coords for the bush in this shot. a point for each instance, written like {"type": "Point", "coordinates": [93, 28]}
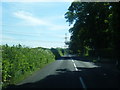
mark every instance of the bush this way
{"type": "Point", "coordinates": [19, 61]}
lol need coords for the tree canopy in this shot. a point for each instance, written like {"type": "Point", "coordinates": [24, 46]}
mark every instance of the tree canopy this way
{"type": "Point", "coordinates": [95, 27]}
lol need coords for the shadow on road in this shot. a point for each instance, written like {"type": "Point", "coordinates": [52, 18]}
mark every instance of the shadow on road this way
{"type": "Point", "coordinates": [63, 79]}
{"type": "Point", "coordinates": [74, 58]}
{"type": "Point", "coordinates": [93, 77]}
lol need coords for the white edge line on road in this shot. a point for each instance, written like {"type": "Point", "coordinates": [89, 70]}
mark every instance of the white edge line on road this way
{"type": "Point", "coordinates": [83, 84]}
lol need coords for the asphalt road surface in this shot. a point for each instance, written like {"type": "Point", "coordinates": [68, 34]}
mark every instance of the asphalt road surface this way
{"type": "Point", "coordinates": [72, 72]}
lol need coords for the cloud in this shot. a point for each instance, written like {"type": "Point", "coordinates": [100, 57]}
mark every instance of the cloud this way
{"type": "Point", "coordinates": [59, 27]}
{"type": "Point", "coordinates": [31, 43]}
{"type": "Point", "coordinates": [29, 19]}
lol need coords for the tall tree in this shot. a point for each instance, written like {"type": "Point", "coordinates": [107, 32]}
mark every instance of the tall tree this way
{"type": "Point", "coordinates": [92, 26]}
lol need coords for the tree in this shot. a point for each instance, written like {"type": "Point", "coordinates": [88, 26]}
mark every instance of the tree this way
{"type": "Point", "coordinates": [95, 26]}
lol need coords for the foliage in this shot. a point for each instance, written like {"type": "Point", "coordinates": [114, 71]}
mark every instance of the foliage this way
{"type": "Point", "coordinates": [0, 67]}
{"type": "Point", "coordinates": [95, 27]}
{"type": "Point", "coordinates": [58, 52]}
{"type": "Point", "coordinates": [19, 61]}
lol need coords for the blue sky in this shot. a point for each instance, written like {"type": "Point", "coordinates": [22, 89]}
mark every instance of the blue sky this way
{"type": "Point", "coordinates": [34, 24]}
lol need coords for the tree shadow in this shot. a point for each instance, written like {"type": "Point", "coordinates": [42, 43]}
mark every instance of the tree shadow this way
{"type": "Point", "coordinates": [63, 79]}
{"type": "Point", "coordinates": [73, 58]}
{"type": "Point", "coordinates": [95, 77]}
{"type": "Point", "coordinates": [100, 77]}
{"type": "Point", "coordinates": [64, 58]}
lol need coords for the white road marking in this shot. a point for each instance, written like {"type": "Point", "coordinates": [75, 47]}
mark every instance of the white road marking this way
{"type": "Point", "coordinates": [74, 64]}
{"type": "Point", "coordinates": [72, 61]}
{"type": "Point", "coordinates": [81, 80]}
{"type": "Point", "coordinates": [83, 84]}
{"type": "Point", "coordinates": [75, 67]}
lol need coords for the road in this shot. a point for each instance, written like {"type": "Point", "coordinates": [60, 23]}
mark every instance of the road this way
{"type": "Point", "coordinates": [71, 72]}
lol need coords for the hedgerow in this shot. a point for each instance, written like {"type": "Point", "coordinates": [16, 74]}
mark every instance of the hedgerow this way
{"type": "Point", "coordinates": [19, 61]}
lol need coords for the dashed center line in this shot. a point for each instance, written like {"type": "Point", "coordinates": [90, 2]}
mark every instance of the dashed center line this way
{"type": "Point", "coordinates": [74, 65]}
{"type": "Point", "coordinates": [80, 78]}
{"type": "Point", "coordinates": [73, 61]}
{"type": "Point", "coordinates": [83, 84]}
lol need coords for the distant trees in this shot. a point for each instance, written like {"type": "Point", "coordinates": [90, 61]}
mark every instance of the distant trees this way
{"type": "Point", "coordinates": [95, 28]}
{"type": "Point", "coordinates": [58, 52]}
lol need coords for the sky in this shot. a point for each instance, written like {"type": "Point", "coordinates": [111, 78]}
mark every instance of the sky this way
{"type": "Point", "coordinates": [34, 24]}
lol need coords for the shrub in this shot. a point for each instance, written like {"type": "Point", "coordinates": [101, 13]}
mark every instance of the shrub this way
{"type": "Point", "coordinates": [19, 61]}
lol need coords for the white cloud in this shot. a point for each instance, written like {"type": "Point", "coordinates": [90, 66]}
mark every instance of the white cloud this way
{"type": "Point", "coordinates": [9, 40]}
{"type": "Point", "coordinates": [31, 43]}
{"type": "Point", "coordinates": [29, 19]}
{"type": "Point", "coordinates": [59, 27]}
{"type": "Point", "coordinates": [0, 23]}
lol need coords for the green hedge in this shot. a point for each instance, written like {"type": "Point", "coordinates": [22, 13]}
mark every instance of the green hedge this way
{"type": "Point", "coordinates": [19, 61]}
